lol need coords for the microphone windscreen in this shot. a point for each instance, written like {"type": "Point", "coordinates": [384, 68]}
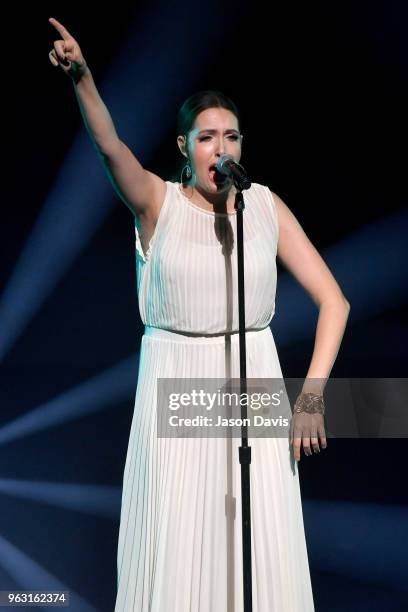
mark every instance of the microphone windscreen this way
{"type": "Point", "coordinates": [222, 166]}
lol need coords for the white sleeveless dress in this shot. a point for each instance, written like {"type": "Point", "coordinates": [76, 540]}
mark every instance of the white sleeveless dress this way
{"type": "Point", "coordinates": [179, 546]}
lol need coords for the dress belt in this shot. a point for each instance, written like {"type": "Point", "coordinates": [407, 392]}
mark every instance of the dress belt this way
{"type": "Point", "coordinates": [151, 330]}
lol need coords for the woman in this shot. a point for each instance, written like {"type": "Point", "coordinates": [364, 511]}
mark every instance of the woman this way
{"type": "Point", "coordinates": [180, 531]}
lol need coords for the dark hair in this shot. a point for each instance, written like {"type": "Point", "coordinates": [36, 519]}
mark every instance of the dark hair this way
{"type": "Point", "coordinates": [193, 106]}
{"type": "Point", "coordinates": [199, 102]}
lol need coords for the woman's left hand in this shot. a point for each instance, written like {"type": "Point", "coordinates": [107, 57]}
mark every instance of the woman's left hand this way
{"type": "Point", "coordinates": [307, 425]}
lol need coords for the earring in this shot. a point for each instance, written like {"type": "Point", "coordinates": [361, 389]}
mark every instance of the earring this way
{"type": "Point", "coordinates": [187, 171]}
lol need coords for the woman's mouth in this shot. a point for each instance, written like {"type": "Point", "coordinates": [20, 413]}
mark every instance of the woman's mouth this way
{"type": "Point", "coordinates": [215, 175]}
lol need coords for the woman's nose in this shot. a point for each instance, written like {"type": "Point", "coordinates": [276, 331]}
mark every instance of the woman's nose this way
{"type": "Point", "coordinates": [220, 147]}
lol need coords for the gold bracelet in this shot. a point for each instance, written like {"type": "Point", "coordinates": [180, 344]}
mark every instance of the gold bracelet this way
{"type": "Point", "coordinates": [310, 403]}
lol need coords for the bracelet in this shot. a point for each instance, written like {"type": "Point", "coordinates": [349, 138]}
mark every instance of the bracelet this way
{"type": "Point", "coordinates": [310, 403]}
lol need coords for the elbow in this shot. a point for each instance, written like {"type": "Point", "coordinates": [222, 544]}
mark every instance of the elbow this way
{"type": "Point", "coordinates": [342, 301]}
{"type": "Point", "coordinates": [346, 305]}
{"type": "Point", "coordinates": [337, 301]}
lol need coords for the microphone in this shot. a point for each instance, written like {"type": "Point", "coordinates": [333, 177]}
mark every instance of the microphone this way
{"type": "Point", "coordinates": [229, 167]}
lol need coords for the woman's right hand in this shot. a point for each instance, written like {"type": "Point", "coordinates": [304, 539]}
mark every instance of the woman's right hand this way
{"type": "Point", "coordinates": [67, 53]}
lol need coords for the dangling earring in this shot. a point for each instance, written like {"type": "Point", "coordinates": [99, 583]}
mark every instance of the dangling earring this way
{"type": "Point", "coordinates": [187, 171]}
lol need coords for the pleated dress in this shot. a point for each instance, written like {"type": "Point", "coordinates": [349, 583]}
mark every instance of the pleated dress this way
{"type": "Point", "coordinates": [180, 536]}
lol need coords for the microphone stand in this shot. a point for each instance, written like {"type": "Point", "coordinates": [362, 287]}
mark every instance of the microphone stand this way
{"type": "Point", "coordinates": [244, 449]}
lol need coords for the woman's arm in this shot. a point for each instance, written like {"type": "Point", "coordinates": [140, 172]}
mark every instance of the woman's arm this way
{"type": "Point", "coordinates": [330, 328]}
{"type": "Point", "coordinates": [137, 187]}
{"type": "Point", "coordinates": [300, 257]}
{"type": "Point", "coordinates": [95, 114]}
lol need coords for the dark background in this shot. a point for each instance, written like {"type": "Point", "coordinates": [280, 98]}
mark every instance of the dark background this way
{"type": "Point", "coordinates": [322, 90]}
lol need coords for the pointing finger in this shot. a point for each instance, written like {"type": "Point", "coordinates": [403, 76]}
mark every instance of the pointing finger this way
{"type": "Point", "coordinates": [58, 26]}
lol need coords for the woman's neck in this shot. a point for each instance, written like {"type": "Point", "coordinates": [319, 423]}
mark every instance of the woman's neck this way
{"type": "Point", "coordinates": [217, 202]}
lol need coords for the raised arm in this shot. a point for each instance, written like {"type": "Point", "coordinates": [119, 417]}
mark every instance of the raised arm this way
{"type": "Point", "coordinates": [141, 190]}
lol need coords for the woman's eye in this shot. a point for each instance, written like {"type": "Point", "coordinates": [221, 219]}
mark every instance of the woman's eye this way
{"type": "Point", "coordinates": [231, 137]}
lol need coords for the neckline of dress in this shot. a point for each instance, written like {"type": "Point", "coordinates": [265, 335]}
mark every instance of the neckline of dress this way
{"type": "Point", "coordinates": [206, 212]}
